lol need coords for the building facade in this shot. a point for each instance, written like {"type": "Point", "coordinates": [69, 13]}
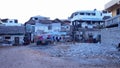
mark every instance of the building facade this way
{"type": "Point", "coordinates": [87, 21]}
{"type": "Point", "coordinates": [111, 34]}
{"type": "Point", "coordinates": [113, 6]}
{"type": "Point", "coordinates": [10, 22]}
{"type": "Point", "coordinates": [12, 35]}
{"type": "Point", "coordinates": [39, 25]}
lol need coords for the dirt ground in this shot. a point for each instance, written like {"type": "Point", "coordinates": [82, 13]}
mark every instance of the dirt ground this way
{"type": "Point", "coordinates": [28, 57]}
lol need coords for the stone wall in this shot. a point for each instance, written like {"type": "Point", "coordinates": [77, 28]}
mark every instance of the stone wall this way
{"type": "Point", "coordinates": [110, 36]}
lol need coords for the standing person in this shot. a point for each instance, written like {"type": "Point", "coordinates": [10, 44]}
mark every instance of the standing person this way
{"type": "Point", "coordinates": [57, 38]}
{"type": "Point", "coordinates": [60, 39]}
{"type": "Point", "coordinates": [54, 39]}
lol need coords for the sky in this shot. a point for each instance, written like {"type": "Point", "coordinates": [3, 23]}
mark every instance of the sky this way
{"type": "Point", "coordinates": [62, 9]}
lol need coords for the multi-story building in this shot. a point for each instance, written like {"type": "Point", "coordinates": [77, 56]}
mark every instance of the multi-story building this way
{"type": "Point", "coordinates": [39, 25]}
{"type": "Point", "coordinates": [89, 18]}
{"type": "Point", "coordinates": [113, 6]}
{"type": "Point", "coordinates": [86, 22]}
{"type": "Point", "coordinates": [10, 22]}
{"type": "Point", "coordinates": [111, 34]}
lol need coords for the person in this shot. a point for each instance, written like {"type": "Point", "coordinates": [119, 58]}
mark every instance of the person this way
{"type": "Point", "coordinates": [57, 39]}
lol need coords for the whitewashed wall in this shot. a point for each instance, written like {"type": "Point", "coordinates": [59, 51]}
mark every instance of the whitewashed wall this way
{"type": "Point", "coordinates": [44, 27]}
{"type": "Point", "coordinates": [12, 37]}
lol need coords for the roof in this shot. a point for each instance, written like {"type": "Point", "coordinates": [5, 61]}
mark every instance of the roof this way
{"type": "Point", "coordinates": [112, 3]}
{"type": "Point", "coordinates": [57, 20]}
{"type": "Point", "coordinates": [12, 30]}
{"type": "Point", "coordinates": [45, 21]}
{"type": "Point", "coordinates": [30, 21]}
{"type": "Point", "coordinates": [4, 20]}
{"type": "Point", "coordinates": [41, 17]}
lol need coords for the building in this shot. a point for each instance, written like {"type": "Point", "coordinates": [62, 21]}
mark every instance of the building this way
{"type": "Point", "coordinates": [42, 25]}
{"type": "Point", "coordinates": [47, 26]}
{"type": "Point", "coordinates": [10, 22]}
{"type": "Point", "coordinates": [12, 35]}
{"type": "Point", "coordinates": [87, 19]}
{"type": "Point", "coordinates": [65, 25]}
{"type": "Point", "coordinates": [111, 34]}
{"type": "Point", "coordinates": [114, 7]}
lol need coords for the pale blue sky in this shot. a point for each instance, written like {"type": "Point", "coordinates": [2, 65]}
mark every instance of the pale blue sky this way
{"type": "Point", "coordinates": [24, 9]}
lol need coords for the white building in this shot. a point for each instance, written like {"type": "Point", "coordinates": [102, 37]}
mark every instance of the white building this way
{"type": "Point", "coordinates": [41, 25]}
{"type": "Point", "coordinates": [10, 22]}
{"type": "Point", "coordinates": [89, 18]}
{"type": "Point", "coordinates": [47, 26]}
{"type": "Point", "coordinates": [87, 24]}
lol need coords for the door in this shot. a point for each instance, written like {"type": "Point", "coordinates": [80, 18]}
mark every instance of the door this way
{"type": "Point", "coordinates": [16, 39]}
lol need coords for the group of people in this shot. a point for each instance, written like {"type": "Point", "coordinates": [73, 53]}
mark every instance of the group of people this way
{"type": "Point", "coordinates": [57, 38]}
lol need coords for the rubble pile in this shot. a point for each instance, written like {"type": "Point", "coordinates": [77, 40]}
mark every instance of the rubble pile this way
{"type": "Point", "coordinates": [79, 50]}
{"type": "Point", "coordinates": [89, 50]}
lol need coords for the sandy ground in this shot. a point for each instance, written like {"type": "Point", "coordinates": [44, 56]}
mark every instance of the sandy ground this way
{"type": "Point", "coordinates": [27, 57]}
{"type": "Point", "coordinates": [23, 57]}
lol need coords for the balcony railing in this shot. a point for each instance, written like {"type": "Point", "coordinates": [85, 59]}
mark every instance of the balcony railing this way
{"type": "Point", "coordinates": [113, 21]}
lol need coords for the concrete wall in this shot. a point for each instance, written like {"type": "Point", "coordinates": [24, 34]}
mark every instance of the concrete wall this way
{"type": "Point", "coordinates": [12, 39]}
{"type": "Point", "coordinates": [113, 12]}
{"type": "Point", "coordinates": [94, 33]}
{"type": "Point", "coordinates": [21, 37]}
{"type": "Point", "coordinates": [110, 36]}
{"type": "Point", "coordinates": [44, 27]}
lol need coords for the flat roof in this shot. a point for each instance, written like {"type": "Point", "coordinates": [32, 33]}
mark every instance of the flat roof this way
{"type": "Point", "coordinates": [111, 3]}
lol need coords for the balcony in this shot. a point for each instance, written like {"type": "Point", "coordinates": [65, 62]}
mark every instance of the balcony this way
{"type": "Point", "coordinates": [114, 21]}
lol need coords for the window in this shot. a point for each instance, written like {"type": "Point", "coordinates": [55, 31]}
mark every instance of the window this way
{"type": "Point", "coordinates": [67, 27]}
{"type": "Point", "coordinates": [81, 13]}
{"type": "Point", "coordinates": [93, 14]}
{"type": "Point", "coordinates": [7, 37]}
{"type": "Point", "coordinates": [87, 13]}
{"type": "Point", "coordinates": [75, 14]}
{"type": "Point", "coordinates": [104, 11]}
{"type": "Point", "coordinates": [118, 11]}
{"type": "Point", "coordinates": [49, 27]}
{"type": "Point", "coordinates": [10, 21]}
{"type": "Point", "coordinates": [35, 18]}
{"type": "Point", "coordinates": [101, 14]}
{"type": "Point", "coordinates": [16, 21]}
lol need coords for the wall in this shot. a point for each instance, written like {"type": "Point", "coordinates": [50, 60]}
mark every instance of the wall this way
{"type": "Point", "coordinates": [12, 37]}
{"type": "Point", "coordinates": [21, 37]}
{"type": "Point", "coordinates": [94, 33]}
{"type": "Point", "coordinates": [110, 36]}
{"type": "Point", "coordinates": [44, 27]}
{"type": "Point", "coordinates": [114, 12]}
{"type": "Point", "coordinates": [113, 9]}
{"type": "Point", "coordinates": [56, 27]}
{"type": "Point", "coordinates": [39, 26]}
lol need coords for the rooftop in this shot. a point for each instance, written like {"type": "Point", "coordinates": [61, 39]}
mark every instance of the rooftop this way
{"type": "Point", "coordinates": [112, 3]}
{"type": "Point", "coordinates": [12, 30]}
